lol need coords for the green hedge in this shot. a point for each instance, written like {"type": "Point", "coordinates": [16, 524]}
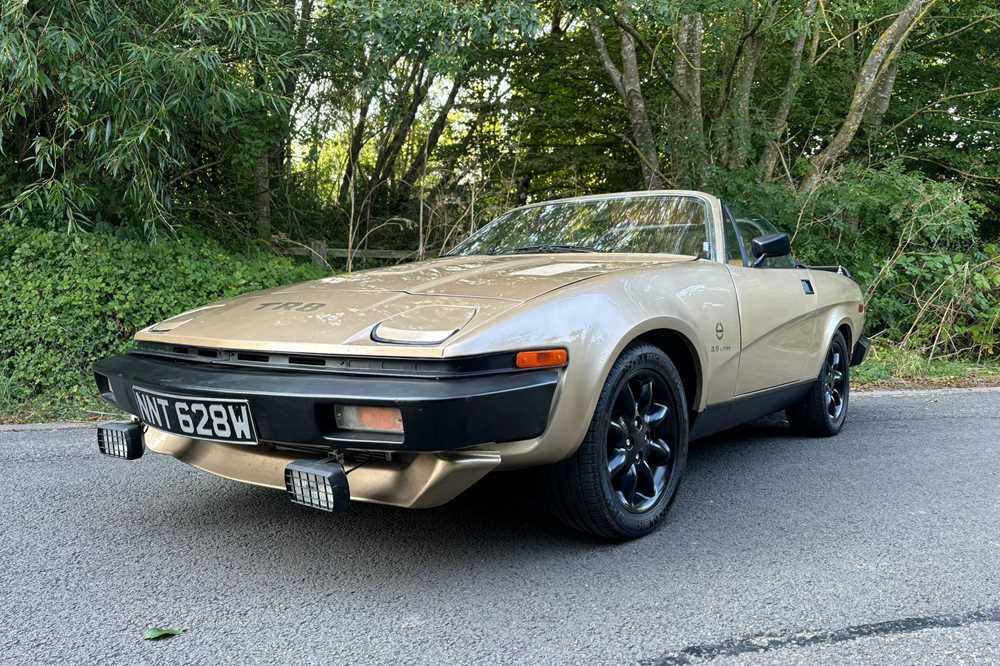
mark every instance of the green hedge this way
{"type": "Point", "coordinates": [68, 299]}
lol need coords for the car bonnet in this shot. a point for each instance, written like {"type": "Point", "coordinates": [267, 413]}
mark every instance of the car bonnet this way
{"type": "Point", "coordinates": [424, 303]}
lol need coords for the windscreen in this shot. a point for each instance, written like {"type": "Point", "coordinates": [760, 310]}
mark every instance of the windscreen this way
{"type": "Point", "coordinates": [647, 224]}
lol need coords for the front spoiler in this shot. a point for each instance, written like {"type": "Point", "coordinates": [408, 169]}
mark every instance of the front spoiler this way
{"type": "Point", "coordinates": [297, 407]}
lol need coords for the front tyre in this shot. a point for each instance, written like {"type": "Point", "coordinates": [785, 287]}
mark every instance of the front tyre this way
{"type": "Point", "coordinates": [824, 409]}
{"type": "Point", "coordinates": [621, 481]}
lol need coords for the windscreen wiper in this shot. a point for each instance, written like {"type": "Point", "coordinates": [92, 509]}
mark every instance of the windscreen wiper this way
{"type": "Point", "coordinates": [549, 249]}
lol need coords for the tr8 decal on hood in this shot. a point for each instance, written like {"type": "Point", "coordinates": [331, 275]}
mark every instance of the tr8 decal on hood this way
{"type": "Point", "coordinates": [340, 313]}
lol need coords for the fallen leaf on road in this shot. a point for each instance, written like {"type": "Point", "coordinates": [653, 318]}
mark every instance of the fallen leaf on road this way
{"type": "Point", "coordinates": [158, 633]}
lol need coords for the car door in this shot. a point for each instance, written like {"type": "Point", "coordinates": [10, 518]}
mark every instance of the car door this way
{"type": "Point", "coordinates": [777, 303]}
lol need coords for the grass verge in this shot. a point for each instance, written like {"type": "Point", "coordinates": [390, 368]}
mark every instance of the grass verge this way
{"type": "Point", "coordinates": [890, 367]}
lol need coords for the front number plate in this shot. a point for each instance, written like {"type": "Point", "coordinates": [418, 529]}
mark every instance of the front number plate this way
{"type": "Point", "coordinates": [216, 419]}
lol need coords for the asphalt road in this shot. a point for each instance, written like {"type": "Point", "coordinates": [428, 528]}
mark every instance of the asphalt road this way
{"type": "Point", "coordinates": [880, 545]}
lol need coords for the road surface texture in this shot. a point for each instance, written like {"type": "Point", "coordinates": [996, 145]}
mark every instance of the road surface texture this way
{"type": "Point", "coordinates": [880, 545]}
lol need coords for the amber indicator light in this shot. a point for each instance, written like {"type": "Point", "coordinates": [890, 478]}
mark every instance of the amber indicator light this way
{"type": "Point", "coordinates": [543, 358]}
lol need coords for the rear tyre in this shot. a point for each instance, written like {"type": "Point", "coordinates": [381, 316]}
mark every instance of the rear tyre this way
{"type": "Point", "coordinates": [824, 409]}
{"type": "Point", "coordinates": [623, 478]}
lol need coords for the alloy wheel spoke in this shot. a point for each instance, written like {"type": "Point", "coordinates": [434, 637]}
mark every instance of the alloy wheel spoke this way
{"type": "Point", "coordinates": [628, 402]}
{"type": "Point", "coordinates": [628, 484]}
{"type": "Point", "coordinates": [645, 399]}
{"type": "Point", "coordinates": [645, 483]}
{"type": "Point", "coordinates": [617, 461]}
{"type": "Point", "coordinates": [658, 452]}
{"type": "Point", "coordinates": [656, 414]}
{"type": "Point", "coordinates": [660, 477]}
{"type": "Point", "coordinates": [617, 430]}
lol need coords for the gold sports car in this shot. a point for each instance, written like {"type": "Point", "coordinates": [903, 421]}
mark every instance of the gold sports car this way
{"type": "Point", "coordinates": [593, 336]}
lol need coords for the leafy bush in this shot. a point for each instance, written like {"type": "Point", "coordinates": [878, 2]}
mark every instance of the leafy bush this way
{"type": "Point", "coordinates": [69, 299]}
{"type": "Point", "coordinates": [127, 112]}
{"type": "Point", "coordinates": [956, 313]}
{"type": "Point", "coordinates": [912, 244]}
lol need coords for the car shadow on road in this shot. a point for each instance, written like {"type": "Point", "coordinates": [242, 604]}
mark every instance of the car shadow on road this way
{"type": "Point", "coordinates": [495, 520]}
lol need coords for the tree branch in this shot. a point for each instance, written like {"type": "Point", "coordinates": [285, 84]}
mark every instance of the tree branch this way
{"type": "Point", "coordinates": [772, 151]}
{"type": "Point", "coordinates": [946, 98]}
{"type": "Point", "coordinates": [651, 51]}
{"type": "Point", "coordinates": [884, 52]}
{"type": "Point", "coordinates": [609, 65]}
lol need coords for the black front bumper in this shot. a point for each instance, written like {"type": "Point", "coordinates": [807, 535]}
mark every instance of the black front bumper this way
{"type": "Point", "coordinates": [297, 407]}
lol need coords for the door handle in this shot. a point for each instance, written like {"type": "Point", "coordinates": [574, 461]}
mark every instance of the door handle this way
{"type": "Point", "coordinates": [808, 287]}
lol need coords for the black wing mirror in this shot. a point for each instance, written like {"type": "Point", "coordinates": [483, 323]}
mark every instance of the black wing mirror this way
{"type": "Point", "coordinates": [771, 245]}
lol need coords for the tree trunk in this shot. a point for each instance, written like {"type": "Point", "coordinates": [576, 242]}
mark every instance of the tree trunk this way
{"type": "Point", "coordinates": [626, 82]}
{"type": "Point", "coordinates": [523, 188]}
{"type": "Point", "coordinates": [433, 136]}
{"type": "Point", "coordinates": [770, 157]}
{"type": "Point", "coordinates": [885, 51]}
{"type": "Point", "coordinates": [731, 126]}
{"type": "Point", "coordinates": [737, 125]}
{"type": "Point", "coordinates": [262, 194]}
{"type": "Point", "coordinates": [280, 148]}
{"type": "Point", "coordinates": [396, 107]}
{"type": "Point", "coordinates": [688, 155]}
{"type": "Point", "coordinates": [557, 15]}
{"type": "Point", "coordinates": [880, 100]}
{"type": "Point", "coordinates": [449, 170]}
{"type": "Point", "coordinates": [354, 152]}
{"type": "Point", "coordinates": [387, 157]}
{"type": "Point", "coordinates": [635, 103]}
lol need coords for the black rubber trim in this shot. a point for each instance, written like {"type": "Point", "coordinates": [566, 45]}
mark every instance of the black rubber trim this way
{"type": "Point", "coordinates": [732, 413]}
{"type": "Point", "coordinates": [354, 365]}
{"type": "Point", "coordinates": [298, 407]}
{"type": "Point", "coordinates": [860, 350]}
{"type": "Point", "coordinates": [840, 270]}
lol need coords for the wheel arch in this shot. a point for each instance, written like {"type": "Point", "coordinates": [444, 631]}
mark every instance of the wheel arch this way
{"type": "Point", "coordinates": [682, 353]}
{"type": "Point", "coordinates": [845, 329]}
{"type": "Point", "coordinates": [831, 326]}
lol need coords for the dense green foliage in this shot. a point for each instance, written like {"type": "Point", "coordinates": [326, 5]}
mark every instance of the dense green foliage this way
{"type": "Point", "coordinates": [913, 243]}
{"type": "Point", "coordinates": [146, 112]}
{"type": "Point", "coordinates": [865, 129]}
{"type": "Point", "coordinates": [71, 299]}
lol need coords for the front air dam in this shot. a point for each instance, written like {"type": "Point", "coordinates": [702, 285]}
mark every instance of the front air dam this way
{"type": "Point", "coordinates": [429, 480]}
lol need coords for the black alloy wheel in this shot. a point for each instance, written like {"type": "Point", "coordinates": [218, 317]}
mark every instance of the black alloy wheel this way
{"type": "Point", "coordinates": [640, 454]}
{"type": "Point", "coordinates": [622, 479]}
{"type": "Point", "coordinates": [823, 410]}
{"type": "Point", "coordinates": [835, 382]}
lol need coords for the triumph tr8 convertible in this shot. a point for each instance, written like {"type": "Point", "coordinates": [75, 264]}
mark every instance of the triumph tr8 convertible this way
{"type": "Point", "coordinates": [594, 337]}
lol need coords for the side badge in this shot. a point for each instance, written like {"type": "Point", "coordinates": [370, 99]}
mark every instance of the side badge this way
{"type": "Point", "coordinates": [720, 332]}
